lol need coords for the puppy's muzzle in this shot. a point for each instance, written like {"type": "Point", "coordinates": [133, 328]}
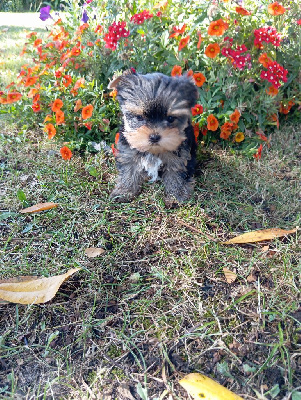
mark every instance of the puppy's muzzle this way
{"type": "Point", "coordinates": [154, 138]}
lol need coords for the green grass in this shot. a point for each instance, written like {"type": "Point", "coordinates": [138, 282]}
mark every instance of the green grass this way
{"type": "Point", "coordinates": [157, 296]}
{"type": "Point", "coordinates": [155, 306]}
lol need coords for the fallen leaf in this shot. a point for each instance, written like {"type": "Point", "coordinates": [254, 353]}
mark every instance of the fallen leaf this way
{"type": "Point", "coordinates": [251, 278]}
{"type": "Point", "coordinates": [92, 252]}
{"type": "Point", "coordinates": [265, 248]}
{"type": "Point", "coordinates": [39, 207]}
{"type": "Point", "coordinates": [229, 275]}
{"type": "Point", "coordinates": [259, 236]}
{"type": "Point", "coordinates": [33, 291]}
{"type": "Point", "coordinates": [200, 386]}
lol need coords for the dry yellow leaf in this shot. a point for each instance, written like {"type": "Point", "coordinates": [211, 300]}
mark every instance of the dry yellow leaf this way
{"type": "Point", "coordinates": [39, 207]}
{"type": "Point", "coordinates": [92, 252]}
{"type": "Point", "coordinates": [259, 236]}
{"type": "Point", "coordinates": [229, 275]}
{"type": "Point", "coordinates": [200, 387]}
{"type": "Point", "coordinates": [33, 291]}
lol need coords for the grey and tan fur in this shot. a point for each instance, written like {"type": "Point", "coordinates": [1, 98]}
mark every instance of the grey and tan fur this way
{"type": "Point", "coordinates": [156, 136]}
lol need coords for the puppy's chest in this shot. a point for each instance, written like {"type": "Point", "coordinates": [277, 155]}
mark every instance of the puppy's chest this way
{"type": "Point", "coordinates": [152, 165]}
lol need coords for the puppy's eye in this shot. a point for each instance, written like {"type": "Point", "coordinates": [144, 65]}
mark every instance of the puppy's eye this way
{"type": "Point", "coordinates": [139, 118]}
{"type": "Point", "coordinates": [170, 119]}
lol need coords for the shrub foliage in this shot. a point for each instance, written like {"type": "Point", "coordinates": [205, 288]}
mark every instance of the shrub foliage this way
{"type": "Point", "coordinates": [245, 61]}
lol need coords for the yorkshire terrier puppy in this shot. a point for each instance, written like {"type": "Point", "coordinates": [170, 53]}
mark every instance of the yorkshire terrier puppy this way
{"type": "Point", "coordinates": [156, 136]}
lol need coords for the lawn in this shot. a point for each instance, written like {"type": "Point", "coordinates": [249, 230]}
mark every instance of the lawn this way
{"type": "Point", "coordinates": [155, 305]}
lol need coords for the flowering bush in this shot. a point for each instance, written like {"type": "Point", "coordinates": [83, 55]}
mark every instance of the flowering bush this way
{"type": "Point", "coordinates": [246, 69]}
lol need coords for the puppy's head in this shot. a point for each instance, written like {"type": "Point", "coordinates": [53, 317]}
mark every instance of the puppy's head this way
{"type": "Point", "coordinates": [156, 109]}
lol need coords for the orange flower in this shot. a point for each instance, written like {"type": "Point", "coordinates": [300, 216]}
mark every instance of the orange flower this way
{"type": "Point", "coordinates": [196, 130]}
{"type": "Point", "coordinates": [239, 137]}
{"type": "Point", "coordinates": [113, 93]}
{"type": "Point", "coordinates": [57, 105]}
{"type": "Point", "coordinates": [257, 155]}
{"type": "Point", "coordinates": [272, 91]}
{"type": "Point", "coordinates": [31, 80]}
{"type": "Point", "coordinates": [199, 42]}
{"type": "Point", "coordinates": [276, 9]}
{"type": "Point", "coordinates": [3, 100]}
{"type": "Point", "coordinates": [262, 136]}
{"type": "Point", "coordinates": [67, 80]}
{"type": "Point", "coordinates": [285, 109]}
{"type": "Point", "coordinates": [36, 107]}
{"type": "Point", "coordinates": [88, 125]}
{"type": "Point", "coordinates": [59, 117]}
{"type": "Point", "coordinates": [176, 71]}
{"type": "Point", "coordinates": [37, 42]}
{"type": "Point", "coordinates": [197, 109]}
{"type": "Point", "coordinates": [183, 42]}
{"type": "Point", "coordinates": [234, 117]}
{"type": "Point", "coordinates": [217, 28]}
{"type": "Point", "coordinates": [227, 126]}
{"type": "Point", "coordinates": [264, 60]}
{"type": "Point", "coordinates": [274, 118]}
{"type": "Point", "coordinates": [117, 138]}
{"type": "Point", "coordinates": [66, 153]}
{"type": "Point", "coordinates": [29, 35]}
{"type": "Point", "coordinates": [212, 50]}
{"type": "Point", "coordinates": [87, 111]}
{"type": "Point", "coordinates": [225, 134]}
{"type": "Point", "coordinates": [32, 93]}
{"type": "Point", "coordinates": [212, 123]}
{"type": "Point", "coordinates": [199, 79]}
{"type": "Point", "coordinates": [75, 51]}
{"type": "Point", "coordinates": [13, 97]}
{"type": "Point", "coordinates": [50, 130]}
{"type": "Point", "coordinates": [98, 29]}
{"type": "Point", "coordinates": [114, 150]}
{"type": "Point", "coordinates": [48, 118]}
{"type": "Point", "coordinates": [79, 83]}
{"type": "Point", "coordinates": [189, 73]}
{"type": "Point", "coordinates": [78, 105]}
{"type": "Point", "coordinates": [242, 11]}
{"type": "Point", "coordinates": [177, 31]}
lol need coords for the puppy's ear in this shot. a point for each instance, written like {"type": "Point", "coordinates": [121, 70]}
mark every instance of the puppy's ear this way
{"type": "Point", "coordinates": [189, 89]}
{"type": "Point", "coordinates": [115, 82]}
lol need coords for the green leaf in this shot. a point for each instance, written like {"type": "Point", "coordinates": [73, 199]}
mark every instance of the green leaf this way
{"type": "Point", "coordinates": [296, 396]}
{"type": "Point", "coordinates": [22, 197]}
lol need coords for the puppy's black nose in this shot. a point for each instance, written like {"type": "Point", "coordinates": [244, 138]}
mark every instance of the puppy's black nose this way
{"type": "Point", "coordinates": [154, 138]}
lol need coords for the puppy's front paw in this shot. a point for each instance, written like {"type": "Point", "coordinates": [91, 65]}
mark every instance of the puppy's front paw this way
{"type": "Point", "coordinates": [120, 195]}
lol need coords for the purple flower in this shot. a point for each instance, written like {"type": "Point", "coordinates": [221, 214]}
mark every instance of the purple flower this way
{"type": "Point", "coordinates": [45, 13]}
{"type": "Point", "coordinates": [85, 17]}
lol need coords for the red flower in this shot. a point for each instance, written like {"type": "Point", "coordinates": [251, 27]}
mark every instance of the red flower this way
{"type": "Point", "coordinates": [88, 125]}
{"type": "Point", "coordinates": [36, 107]}
{"type": "Point", "coordinates": [178, 31]}
{"type": "Point", "coordinates": [87, 111]}
{"type": "Point", "coordinates": [176, 71]}
{"type": "Point", "coordinates": [258, 154]}
{"type": "Point", "coordinates": [75, 51]}
{"type": "Point", "coordinates": [196, 130]}
{"type": "Point", "coordinates": [197, 109]}
{"type": "Point", "coordinates": [67, 80]}
{"type": "Point", "coordinates": [141, 17]}
{"type": "Point", "coordinates": [183, 42]}
{"type": "Point", "coordinates": [262, 136]}
{"type": "Point", "coordinates": [199, 79]}
{"type": "Point", "coordinates": [242, 11]}
{"type": "Point", "coordinates": [66, 153]}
